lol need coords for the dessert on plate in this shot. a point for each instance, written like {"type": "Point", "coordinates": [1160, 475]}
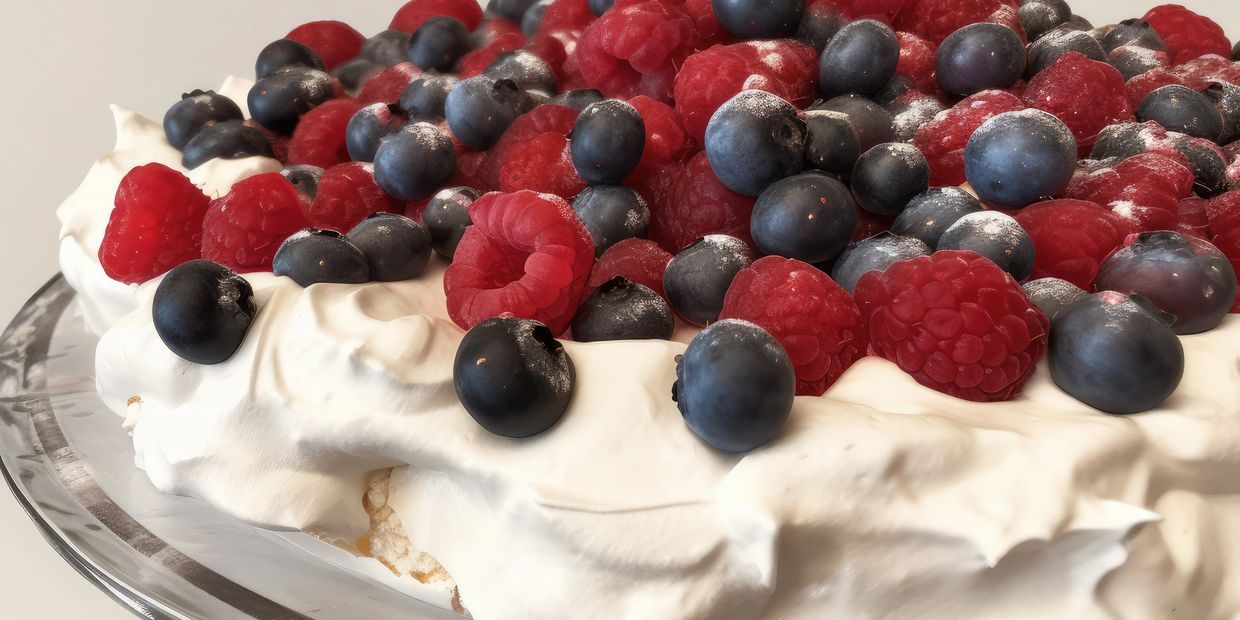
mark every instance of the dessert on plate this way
{"type": "Point", "coordinates": [730, 309]}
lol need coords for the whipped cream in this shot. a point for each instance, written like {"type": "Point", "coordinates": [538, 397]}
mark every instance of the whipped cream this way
{"type": "Point", "coordinates": [881, 499]}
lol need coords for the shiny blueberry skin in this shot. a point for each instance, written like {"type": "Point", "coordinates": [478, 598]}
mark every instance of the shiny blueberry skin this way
{"type": "Point", "coordinates": [1042, 16]}
{"type": "Point", "coordinates": [860, 59]}
{"type": "Point", "coordinates": [447, 216]}
{"type": "Point", "coordinates": [753, 140]}
{"type": "Point", "coordinates": [1018, 158]}
{"type": "Point", "coordinates": [526, 70]}
{"type": "Point", "coordinates": [388, 48]}
{"type": "Point", "coordinates": [1113, 354]}
{"type": "Point", "coordinates": [871, 121]}
{"type": "Point", "coordinates": [1184, 276]}
{"type": "Point", "coordinates": [194, 111]}
{"type": "Point", "coordinates": [369, 127]}
{"type": "Point", "coordinates": [875, 254]}
{"type": "Point", "coordinates": [225, 140]}
{"type": "Point", "coordinates": [532, 20]}
{"type": "Point", "coordinates": [1226, 98]}
{"type": "Point", "coordinates": [995, 236]}
{"type": "Point", "coordinates": [1133, 61]}
{"type": "Point", "coordinates": [622, 310]}
{"type": "Point", "coordinates": [414, 162]}
{"type": "Point", "coordinates": [1132, 33]}
{"type": "Point", "coordinates": [978, 57]}
{"type": "Point", "coordinates": [315, 256]}
{"type": "Point", "coordinates": [513, 377]}
{"type": "Point", "coordinates": [305, 179]}
{"type": "Point", "coordinates": [888, 176]}
{"type": "Point", "coordinates": [612, 213]}
{"type": "Point", "coordinates": [279, 100]}
{"type": "Point", "coordinates": [512, 10]}
{"type": "Point", "coordinates": [735, 386]}
{"type": "Point", "coordinates": [809, 217]}
{"type": "Point", "coordinates": [929, 214]}
{"type": "Point", "coordinates": [286, 53]}
{"type": "Point", "coordinates": [1209, 169]}
{"type": "Point", "coordinates": [698, 277]}
{"type": "Point", "coordinates": [598, 7]}
{"type": "Point", "coordinates": [396, 247]}
{"type": "Point", "coordinates": [1046, 50]}
{"type": "Point", "coordinates": [1052, 295]}
{"type": "Point", "coordinates": [355, 73]}
{"type": "Point", "coordinates": [1183, 110]}
{"type": "Point", "coordinates": [818, 27]}
{"type": "Point", "coordinates": [480, 109]}
{"type": "Point", "coordinates": [832, 144]}
{"type": "Point", "coordinates": [202, 311]}
{"type": "Point", "coordinates": [438, 43]}
{"type": "Point", "coordinates": [759, 19]}
{"type": "Point", "coordinates": [423, 99]}
{"type": "Point", "coordinates": [607, 142]}
{"type": "Point", "coordinates": [578, 98]}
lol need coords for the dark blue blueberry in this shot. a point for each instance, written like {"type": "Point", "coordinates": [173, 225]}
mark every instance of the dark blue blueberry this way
{"type": "Point", "coordinates": [279, 100]}
{"type": "Point", "coordinates": [598, 7]}
{"type": "Point", "coordinates": [897, 87]}
{"type": "Point", "coordinates": [809, 217]}
{"type": "Point", "coordinates": [831, 144]}
{"type": "Point", "coordinates": [424, 98]}
{"type": "Point", "coordinates": [622, 310]}
{"type": "Point", "coordinates": [512, 10]}
{"type": "Point", "coordinates": [316, 256]}
{"type": "Point", "coordinates": [305, 179]}
{"type": "Point", "coordinates": [873, 123]}
{"type": "Point", "coordinates": [438, 43]}
{"type": "Point", "coordinates": [1113, 354]}
{"type": "Point", "coordinates": [818, 27]}
{"type": "Point", "coordinates": [286, 53]}
{"type": "Point", "coordinates": [513, 377]}
{"type": "Point", "coordinates": [759, 19]}
{"type": "Point", "coordinates": [388, 48]}
{"type": "Point", "coordinates": [414, 162]}
{"type": "Point", "coordinates": [369, 127]}
{"type": "Point", "coordinates": [931, 213]}
{"type": "Point", "coordinates": [1235, 51]}
{"type": "Point", "coordinates": [1183, 110]}
{"type": "Point", "coordinates": [995, 236]}
{"type": "Point", "coordinates": [480, 109]}
{"type": "Point", "coordinates": [607, 142]}
{"type": "Point", "coordinates": [860, 59]}
{"type": "Point", "coordinates": [578, 98]}
{"type": "Point", "coordinates": [1041, 16]}
{"type": "Point", "coordinates": [355, 73]}
{"type": "Point", "coordinates": [735, 386]}
{"type": "Point", "coordinates": [875, 254]}
{"type": "Point", "coordinates": [525, 69]}
{"type": "Point", "coordinates": [910, 113]}
{"type": "Point", "coordinates": [888, 176]}
{"type": "Point", "coordinates": [196, 110]}
{"type": "Point", "coordinates": [753, 140]}
{"type": "Point", "coordinates": [1046, 50]}
{"type": "Point", "coordinates": [980, 57]}
{"type": "Point", "coordinates": [532, 20]}
{"type": "Point", "coordinates": [1019, 158]}
{"type": "Point", "coordinates": [1133, 33]}
{"type": "Point", "coordinates": [1184, 276]}
{"type": "Point", "coordinates": [1226, 98]}
{"type": "Point", "coordinates": [447, 216]}
{"type": "Point", "coordinates": [1209, 168]}
{"type": "Point", "coordinates": [697, 279]}
{"type": "Point", "coordinates": [226, 140]}
{"type": "Point", "coordinates": [1133, 61]}
{"type": "Point", "coordinates": [1076, 22]}
{"type": "Point", "coordinates": [1053, 295]}
{"type": "Point", "coordinates": [396, 247]}
{"type": "Point", "coordinates": [202, 311]}
{"type": "Point", "coordinates": [612, 213]}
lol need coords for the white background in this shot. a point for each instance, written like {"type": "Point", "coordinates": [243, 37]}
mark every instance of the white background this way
{"type": "Point", "coordinates": [65, 61]}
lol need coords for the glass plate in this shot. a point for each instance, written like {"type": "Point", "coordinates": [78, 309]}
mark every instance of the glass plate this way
{"type": "Point", "coordinates": [71, 466]}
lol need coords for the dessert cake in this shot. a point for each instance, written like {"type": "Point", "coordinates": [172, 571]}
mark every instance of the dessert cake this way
{"type": "Point", "coordinates": [730, 309]}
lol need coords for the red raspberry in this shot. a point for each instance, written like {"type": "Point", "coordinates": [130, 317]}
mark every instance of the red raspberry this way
{"type": "Point", "coordinates": [936, 19]}
{"type": "Point", "coordinates": [882, 10]}
{"type": "Point", "coordinates": [347, 195]}
{"type": "Point", "coordinates": [697, 205]}
{"type": "Point", "coordinates": [388, 86]}
{"type": "Point", "coordinates": [1187, 34]}
{"type": "Point", "coordinates": [566, 16]}
{"type": "Point", "coordinates": [543, 165]}
{"type": "Point", "coordinates": [1146, 189]}
{"type": "Point", "coordinates": [526, 254]}
{"type": "Point", "coordinates": [156, 225]}
{"type": "Point", "coordinates": [469, 167]}
{"type": "Point", "coordinates": [410, 16]}
{"type": "Point", "coordinates": [513, 149]}
{"type": "Point", "coordinates": [640, 261]}
{"type": "Point", "coordinates": [1194, 221]}
{"type": "Point", "coordinates": [319, 137]}
{"type": "Point", "coordinates": [499, 36]}
{"type": "Point", "coordinates": [709, 30]}
{"type": "Point", "coordinates": [956, 323]}
{"type": "Point", "coordinates": [1223, 213]}
{"type": "Point", "coordinates": [815, 319]}
{"type": "Point", "coordinates": [636, 49]}
{"type": "Point", "coordinates": [1199, 73]}
{"type": "Point", "coordinates": [1139, 87]}
{"type": "Point", "coordinates": [918, 62]}
{"type": "Point", "coordinates": [666, 140]}
{"type": "Point", "coordinates": [871, 224]}
{"type": "Point", "coordinates": [1085, 94]}
{"type": "Point", "coordinates": [1071, 238]}
{"type": "Point", "coordinates": [243, 229]}
{"type": "Point", "coordinates": [335, 42]}
{"type": "Point", "coordinates": [279, 143]}
{"type": "Point", "coordinates": [943, 139]}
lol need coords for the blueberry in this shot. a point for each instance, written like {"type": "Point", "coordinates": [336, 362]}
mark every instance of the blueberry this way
{"type": "Point", "coordinates": [888, 176]}
{"type": "Point", "coordinates": [513, 377]}
{"type": "Point", "coordinates": [598, 7]}
{"type": "Point", "coordinates": [1133, 61]}
{"type": "Point", "coordinates": [279, 100]}
{"type": "Point", "coordinates": [438, 43]}
{"type": "Point", "coordinates": [305, 179]}
{"type": "Point", "coordinates": [1076, 22]}
{"type": "Point", "coordinates": [1183, 110]}
{"type": "Point", "coordinates": [818, 27]}
{"type": "Point", "coordinates": [612, 213]}
{"type": "Point", "coordinates": [532, 20]}
{"type": "Point", "coordinates": [225, 140]}
{"type": "Point", "coordinates": [809, 217]}
{"type": "Point", "coordinates": [424, 98]}
{"type": "Point", "coordinates": [860, 59]}
{"type": "Point", "coordinates": [831, 144]}
{"type": "Point", "coordinates": [697, 279]}
{"type": "Point", "coordinates": [1133, 33]}
{"type": "Point", "coordinates": [1226, 98]}
{"type": "Point", "coordinates": [369, 127]}
{"type": "Point", "coordinates": [979, 57]}
{"type": "Point", "coordinates": [512, 10]}
{"type": "Point", "coordinates": [908, 114]}
{"type": "Point", "coordinates": [194, 111]}
{"type": "Point", "coordinates": [1053, 295]}
{"type": "Point", "coordinates": [388, 48]}
{"type": "Point", "coordinates": [1042, 16]}
{"type": "Point", "coordinates": [1019, 158]}
{"type": "Point", "coordinates": [286, 53]}
{"type": "Point", "coordinates": [396, 248]}
{"type": "Point", "coordinates": [759, 19]}
{"type": "Point", "coordinates": [526, 70]}
{"type": "Point", "coordinates": [607, 142]}
{"type": "Point", "coordinates": [202, 311]}
{"type": "Point", "coordinates": [735, 386]}
{"type": "Point", "coordinates": [480, 109]}
{"type": "Point", "coordinates": [873, 123]}
{"type": "Point", "coordinates": [897, 87]}
{"type": "Point", "coordinates": [354, 74]}
{"type": "Point", "coordinates": [929, 214]}
{"type": "Point", "coordinates": [447, 216]}
{"type": "Point", "coordinates": [315, 256]}
{"type": "Point", "coordinates": [995, 236]}
{"type": "Point", "coordinates": [1113, 354]}
{"type": "Point", "coordinates": [1209, 168]}
{"type": "Point", "coordinates": [414, 162]}
{"type": "Point", "coordinates": [578, 98]}
{"type": "Point", "coordinates": [753, 140]}
{"type": "Point", "coordinates": [622, 310]}
{"type": "Point", "coordinates": [875, 254]}
{"type": "Point", "coordinates": [1046, 50]}
{"type": "Point", "coordinates": [1235, 51]}
{"type": "Point", "coordinates": [1184, 276]}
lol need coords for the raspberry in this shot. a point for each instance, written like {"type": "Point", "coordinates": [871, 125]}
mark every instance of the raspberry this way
{"type": "Point", "coordinates": [156, 225]}
{"type": "Point", "coordinates": [347, 195]}
{"type": "Point", "coordinates": [1071, 238]}
{"type": "Point", "coordinates": [815, 319]}
{"type": "Point", "coordinates": [635, 49]}
{"type": "Point", "coordinates": [335, 42]}
{"type": "Point", "coordinates": [526, 254]}
{"type": "Point", "coordinates": [500, 36]}
{"type": "Point", "coordinates": [918, 62]}
{"type": "Point", "coordinates": [666, 140]}
{"type": "Point", "coordinates": [566, 16]}
{"type": "Point", "coordinates": [1199, 73]}
{"type": "Point", "coordinates": [698, 204]}
{"type": "Point", "coordinates": [709, 30]}
{"type": "Point", "coordinates": [640, 261]}
{"type": "Point", "coordinates": [1187, 34]}
{"type": "Point", "coordinates": [279, 143]}
{"type": "Point", "coordinates": [319, 137]}
{"type": "Point", "coordinates": [1085, 94]}
{"type": "Point", "coordinates": [936, 19]}
{"type": "Point", "coordinates": [468, 172]}
{"type": "Point", "coordinates": [388, 86]}
{"type": "Point", "coordinates": [243, 229]}
{"type": "Point", "coordinates": [943, 139]}
{"type": "Point", "coordinates": [956, 323]}
{"type": "Point", "coordinates": [1139, 87]}
{"type": "Point", "coordinates": [711, 77]}
{"type": "Point", "coordinates": [410, 16]}
{"type": "Point", "coordinates": [545, 165]}
{"type": "Point", "coordinates": [1194, 221]}
{"type": "Point", "coordinates": [512, 149]}
{"type": "Point", "coordinates": [1223, 213]}
{"type": "Point", "coordinates": [871, 224]}
{"type": "Point", "coordinates": [1145, 189]}
{"type": "Point", "coordinates": [882, 10]}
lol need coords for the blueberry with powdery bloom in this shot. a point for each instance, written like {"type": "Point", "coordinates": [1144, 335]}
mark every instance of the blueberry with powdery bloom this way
{"type": "Point", "coordinates": [1018, 158]}
{"type": "Point", "coordinates": [995, 236]}
{"type": "Point", "coordinates": [697, 279]}
{"type": "Point", "coordinates": [1052, 295]}
{"type": "Point", "coordinates": [875, 254]}
{"type": "Point", "coordinates": [753, 140]}
{"type": "Point", "coordinates": [286, 53]}
{"type": "Point", "coordinates": [226, 140]}
{"type": "Point", "coordinates": [809, 217]}
{"type": "Point", "coordinates": [369, 127]}
{"type": "Point", "coordinates": [1182, 110]}
{"type": "Point", "coordinates": [195, 111]}
{"type": "Point", "coordinates": [832, 144]}
{"type": "Point", "coordinates": [888, 176]}
{"type": "Point", "coordinates": [1133, 33]}
{"type": "Point", "coordinates": [859, 59]}
{"type": "Point", "coordinates": [396, 247]}
{"type": "Point", "coordinates": [1039, 17]}
{"type": "Point", "coordinates": [279, 100]}
{"type": "Point", "coordinates": [874, 124]}
{"type": "Point", "coordinates": [1054, 44]}
{"type": "Point", "coordinates": [929, 214]}
{"type": "Point", "coordinates": [202, 311]}
{"type": "Point", "coordinates": [438, 43]}
{"type": "Point", "coordinates": [607, 142]}
{"type": "Point", "coordinates": [480, 109]}
{"type": "Point", "coordinates": [622, 310]}
{"type": "Point", "coordinates": [447, 216]}
{"type": "Point", "coordinates": [980, 57]}
{"type": "Point", "coordinates": [525, 69]}
{"type": "Point", "coordinates": [759, 19]}
{"type": "Point", "coordinates": [315, 256]}
{"type": "Point", "coordinates": [415, 161]}
{"type": "Point", "coordinates": [611, 214]}
{"type": "Point", "coordinates": [424, 98]}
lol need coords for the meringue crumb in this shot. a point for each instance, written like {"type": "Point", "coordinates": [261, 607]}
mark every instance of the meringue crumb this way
{"type": "Point", "coordinates": [386, 541]}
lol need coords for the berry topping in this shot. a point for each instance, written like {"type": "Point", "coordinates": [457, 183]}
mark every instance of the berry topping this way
{"type": "Point", "coordinates": [424, 98]}
{"type": "Point", "coordinates": [348, 194]}
{"type": "Point", "coordinates": [809, 217]}
{"type": "Point", "coordinates": [697, 204]}
{"type": "Point", "coordinates": [1059, 43]}
{"type": "Point", "coordinates": [1039, 17]}
{"type": "Point", "coordinates": [279, 100]}
{"type": "Point", "coordinates": [155, 225]}
{"type": "Point", "coordinates": [607, 142]}
{"type": "Point", "coordinates": [335, 42]}
{"type": "Point", "coordinates": [759, 19]}
{"type": "Point", "coordinates": [754, 140]}
{"type": "Point", "coordinates": [1085, 94]}
{"type": "Point", "coordinates": [202, 312]}
{"type": "Point", "coordinates": [369, 126]}
{"type": "Point", "coordinates": [860, 58]}
{"type": "Point", "coordinates": [636, 49]}
{"type": "Point", "coordinates": [1133, 61]}
{"type": "Point", "coordinates": [226, 140]}
{"type": "Point", "coordinates": [697, 279]}
{"type": "Point", "coordinates": [622, 310]}
{"type": "Point", "coordinates": [243, 229]}
{"type": "Point", "coordinates": [639, 261]}
{"type": "Point", "coordinates": [875, 253]}
{"type": "Point", "coordinates": [414, 13]}
{"type": "Point", "coordinates": [580, 98]}
{"type": "Point", "coordinates": [936, 19]}
{"type": "Point", "coordinates": [820, 23]}
{"type": "Point", "coordinates": [943, 139]}
{"type": "Point", "coordinates": [666, 141]}
{"type": "Point", "coordinates": [873, 124]}
{"type": "Point", "coordinates": [480, 109]}
{"type": "Point", "coordinates": [1018, 158]}
{"type": "Point", "coordinates": [414, 162]}
{"type": "Point", "coordinates": [526, 70]}
{"type": "Point", "coordinates": [283, 54]}
{"type": "Point", "coordinates": [314, 256]}
{"type": "Point", "coordinates": [1182, 110]}
{"type": "Point", "coordinates": [1133, 33]}
{"type": "Point", "coordinates": [993, 235]}
{"type": "Point", "coordinates": [438, 43]}
{"type": "Point", "coordinates": [386, 49]}
{"type": "Point", "coordinates": [387, 87]}
{"type": "Point", "coordinates": [1071, 238]}
{"type": "Point", "coordinates": [612, 213]}
{"type": "Point", "coordinates": [831, 144]}
{"type": "Point", "coordinates": [321, 137]}
{"type": "Point", "coordinates": [447, 216]}
{"type": "Point", "coordinates": [196, 111]}
{"type": "Point", "coordinates": [396, 247]}
{"type": "Point", "coordinates": [1146, 189]}
{"type": "Point", "coordinates": [1187, 34]}
{"type": "Point", "coordinates": [980, 57]}
{"type": "Point", "coordinates": [888, 176]}
{"type": "Point", "coordinates": [929, 214]}
{"type": "Point", "coordinates": [305, 179]}
{"type": "Point", "coordinates": [1052, 295]}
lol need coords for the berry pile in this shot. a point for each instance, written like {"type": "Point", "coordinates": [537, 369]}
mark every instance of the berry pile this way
{"type": "Point", "coordinates": [941, 183]}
